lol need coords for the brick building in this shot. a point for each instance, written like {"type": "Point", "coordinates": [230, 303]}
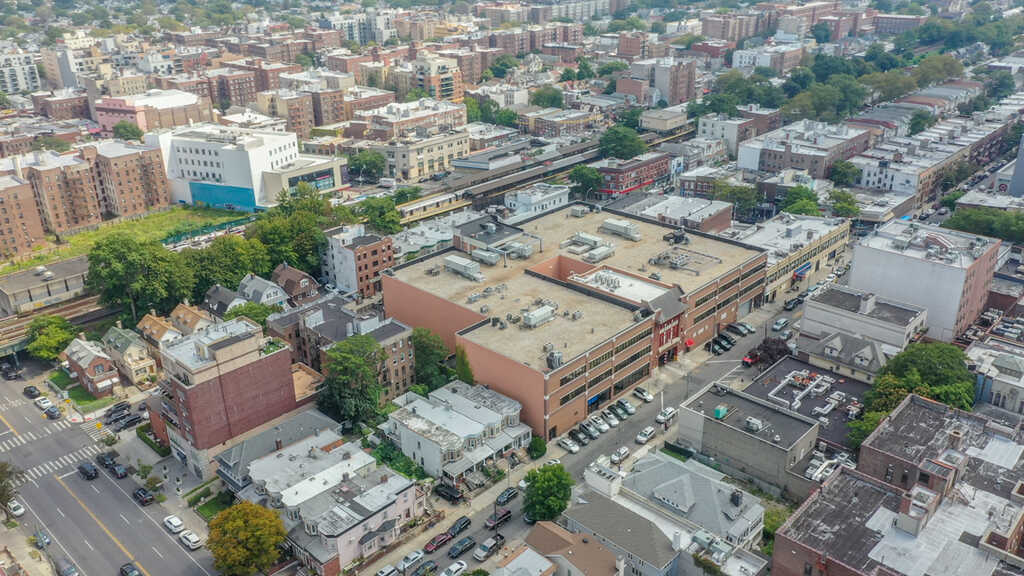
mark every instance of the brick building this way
{"type": "Point", "coordinates": [295, 107]}
{"type": "Point", "coordinates": [22, 227]}
{"type": "Point", "coordinates": [91, 366]}
{"type": "Point", "coordinates": [354, 259]}
{"type": "Point", "coordinates": [804, 145]}
{"type": "Point", "coordinates": [64, 185]}
{"type": "Point", "coordinates": [62, 105]}
{"type": "Point", "coordinates": [268, 73]}
{"type": "Point", "coordinates": [624, 176]}
{"type": "Point", "coordinates": [131, 178]}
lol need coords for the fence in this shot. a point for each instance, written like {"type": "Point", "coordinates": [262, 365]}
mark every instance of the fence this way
{"type": "Point", "coordinates": [175, 238]}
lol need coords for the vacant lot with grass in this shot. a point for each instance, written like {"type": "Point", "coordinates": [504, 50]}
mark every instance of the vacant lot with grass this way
{"type": "Point", "coordinates": [152, 227]}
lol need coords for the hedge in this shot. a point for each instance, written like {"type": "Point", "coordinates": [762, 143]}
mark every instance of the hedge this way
{"type": "Point", "coordinates": [143, 433]}
{"type": "Point", "coordinates": [198, 496]}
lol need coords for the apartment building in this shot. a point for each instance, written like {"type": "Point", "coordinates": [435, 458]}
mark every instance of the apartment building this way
{"type": "Point", "coordinates": [399, 118]}
{"type": "Point", "coordinates": [734, 26]}
{"type": "Point", "coordinates": [354, 259]}
{"type": "Point", "coordinates": [220, 382]}
{"type": "Point", "coordinates": [130, 178]}
{"type": "Point", "coordinates": [779, 57]}
{"type": "Point", "coordinates": [901, 257]}
{"type": "Point", "coordinates": [64, 186]}
{"type": "Point", "coordinates": [624, 176]}
{"type": "Point", "coordinates": [295, 107]}
{"type": "Point", "coordinates": [153, 110]}
{"type": "Point", "coordinates": [673, 80]}
{"type": "Point", "coordinates": [18, 73]}
{"type": "Point", "coordinates": [456, 430]}
{"type": "Point", "coordinates": [896, 24]}
{"type": "Point", "coordinates": [412, 158]}
{"type": "Point", "coordinates": [693, 212]}
{"type": "Point", "coordinates": [555, 122]}
{"type": "Point", "coordinates": [616, 325]}
{"type": "Point", "coordinates": [22, 227]}
{"type": "Point", "coordinates": [439, 77]}
{"type": "Point", "coordinates": [268, 74]}
{"type": "Point", "coordinates": [64, 104]}
{"type": "Point", "coordinates": [804, 145]}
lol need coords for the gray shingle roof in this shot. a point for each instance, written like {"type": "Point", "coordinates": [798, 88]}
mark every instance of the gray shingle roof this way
{"type": "Point", "coordinates": [622, 527]}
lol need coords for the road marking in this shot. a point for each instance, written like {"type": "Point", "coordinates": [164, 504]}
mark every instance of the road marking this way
{"type": "Point", "coordinates": [5, 432]}
{"type": "Point", "coordinates": [720, 361]}
{"type": "Point", "coordinates": [8, 424]}
{"type": "Point", "coordinates": [125, 519]}
{"type": "Point", "coordinates": [27, 419]}
{"type": "Point", "coordinates": [48, 531]}
{"type": "Point", "coordinates": [157, 552]}
{"type": "Point", "coordinates": [59, 511]}
{"type": "Point", "coordinates": [66, 474]}
{"type": "Point", "coordinates": [101, 524]}
{"type": "Point", "coordinates": [89, 545]}
{"type": "Point", "coordinates": [94, 489]}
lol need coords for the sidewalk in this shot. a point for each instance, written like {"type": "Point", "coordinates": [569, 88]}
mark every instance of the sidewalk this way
{"type": "Point", "coordinates": [17, 549]}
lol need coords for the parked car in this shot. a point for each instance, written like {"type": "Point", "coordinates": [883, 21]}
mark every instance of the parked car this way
{"type": "Point", "coordinates": [590, 430]}
{"type": "Point", "coordinates": [388, 570]}
{"type": "Point", "coordinates": [645, 435]}
{"type": "Point", "coordinates": [106, 459]}
{"type": "Point", "coordinates": [610, 418]}
{"type": "Point", "coordinates": [619, 411]}
{"type": "Point", "coordinates": [128, 422]}
{"type": "Point", "coordinates": [643, 394]}
{"type": "Point", "coordinates": [455, 569]}
{"type": "Point", "coordinates": [174, 524]}
{"type": "Point", "coordinates": [129, 569]}
{"type": "Point", "coordinates": [409, 561]}
{"type": "Point", "coordinates": [730, 339]}
{"type": "Point", "coordinates": [43, 403]}
{"type": "Point", "coordinates": [666, 415]}
{"type": "Point", "coordinates": [722, 343]}
{"type": "Point", "coordinates": [461, 547]}
{"type": "Point", "coordinates": [15, 509]}
{"type": "Point", "coordinates": [425, 569]}
{"type": "Point", "coordinates": [496, 519]}
{"type": "Point", "coordinates": [53, 413]}
{"type": "Point", "coordinates": [452, 495]}
{"type": "Point", "coordinates": [747, 327]}
{"type": "Point", "coordinates": [751, 358]}
{"type": "Point", "coordinates": [436, 542]}
{"type": "Point", "coordinates": [507, 495]}
{"type": "Point", "coordinates": [118, 407]}
{"type": "Point", "coordinates": [119, 471]}
{"type": "Point", "coordinates": [42, 539]}
{"type": "Point", "coordinates": [780, 324]}
{"type": "Point", "coordinates": [620, 455]}
{"type": "Point", "coordinates": [64, 567]}
{"type": "Point", "coordinates": [115, 417]}
{"type": "Point", "coordinates": [489, 547]}
{"type": "Point", "coordinates": [579, 437]}
{"type": "Point", "coordinates": [736, 330]}
{"type": "Point", "coordinates": [627, 406]}
{"type": "Point", "coordinates": [553, 462]}
{"type": "Point", "coordinates": [190, 539]}
{"type": "Point", "coordinates": [570, 446]}
{"type": "Point", "coordinates": [88, 471]}
{"type": "Point", "coordinates": [943, 211]}
{"type": "Point", "coordinates": [142, 496]}
{"type": "Point", "coordinates": [31, 392]}
{"type": "Point", "coordinates": [786, 334]}
{"type": "Point", "coordinates": [791, 304]}
{"type": "Point", "coordinates": [460, 525]}
{"type": "Point", "coordinates": [598, 423]}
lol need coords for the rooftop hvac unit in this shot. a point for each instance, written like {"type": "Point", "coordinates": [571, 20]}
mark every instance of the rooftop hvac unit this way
{"type": "Point", "coordinates": [586, 239]}
{"type": "Point", "coordinates": [578, 211]}
{"type": "Point", "coordinates": [598, 254]}
{"type": "Point", "coordinates": [490, 227]}
{"type": "Point", "coordinates": [704, 538]}
{"type": "Point", "coordinates": [518, 250]}
{"type": "Point", "coordinates": [538, 316]}
{"type": "Point", "coordinates": [577, 249]}
{"type": "Point", "coordinates": [488, 257]}
{"type": "Point", "coordinates": [554, 359]}
{"type": "Point", "coordinates": [753, 424]}
{"type": "Point", "coordinates": [736, 498]}
{"type": "Point", "coordinates": [463, 267]}
{"type": "Point", "coordinates": [721, 411]}
{"type": "Point", "coordinates": [621, 227]}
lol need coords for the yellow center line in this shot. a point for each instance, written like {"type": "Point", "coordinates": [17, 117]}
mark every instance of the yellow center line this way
{"type": "Point", "coordinates": [100, 524]}
{"type": "Point", "coordinates": [8, 424]}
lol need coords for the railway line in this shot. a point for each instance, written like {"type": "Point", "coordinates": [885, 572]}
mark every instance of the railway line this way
{"type": "Point", "coordinates": [14, 329]}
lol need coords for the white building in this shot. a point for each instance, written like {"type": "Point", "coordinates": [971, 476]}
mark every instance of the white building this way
{"type": "Point", "coordinates": [732, 130]}
{"type": "Point", "coordinates": [537, 199]}
{"type": "Point", "coordinates": [222, 166]}
{"type": "Point", "coordinates": [844, 309]}
{"type": "Point", "coordinates": [18, 73]}
{"type": "Point", "coordinates": [262, 291]}
{"type": "Point", "coordinates": [999, 365]}
{"type": "Point", "coordinates": [339, 261]}
{"type": "Point", "coordinates": [504, 95]}
{"type": "Point", "coordinates": [945, 271]}
{"type": "Point", "coordinates": [456, 429]}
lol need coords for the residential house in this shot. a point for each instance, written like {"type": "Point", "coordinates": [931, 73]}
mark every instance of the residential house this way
{"type": "Point", "coordinates": [156, 331]}
{"type": "Point", "coordinates": [90, 365]}
{"type": "Point", "coordinates": [262, 291]}
{"type": "Point", "coordinates": [131, 356]}
{"type": "Point", "coordinates": [848, 355]}
{"type": "Point", "coordinates": [299, 286]}
{"type": "Point", "coordinates": [219, 300]}
{"type": "Point", "coordinates": [572, 553]}
{"type": "Point", "coordinates": [188, 319]}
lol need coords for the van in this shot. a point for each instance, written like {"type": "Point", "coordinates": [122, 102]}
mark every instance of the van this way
{"type": "Point", "coordinates": [388, 570]}
{"type": "Point", "coordinates": [492, 545]}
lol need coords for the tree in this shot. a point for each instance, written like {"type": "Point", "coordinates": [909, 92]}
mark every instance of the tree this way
{"type": "Point", "coordinates": [48, 336]}
{"type": "Point", "coordinates": [351, 390]}
{"type": "Point", "coordinates": [920, 121]}
{"type": "Point", "coordinates": [507, 117]}
{"type": "Point", "coordinates": [295, 238]}
{"type": "Point", "coordinates": [502, 64]}
{"type": "Point", "coordinates": [844, 173]}
{"type": "Point", "coordinates": [406, 194]}
{"type": "Point", "coordinates": [226, 261]}
{"type": "Point", "coordinates": [822, 32]}
{"type": "Point", "coordinates": [584, 70]}
{"type": "Point", "coordinates": [547, 492]}
{"type": "Point", "coordinates": [255, 311]}
{"type": "Point", "coordinates": [538, 447]}
{"type": "Point", "coordinates": [586, 180]}
{"type": "Point", "coordinates": [804, 207]}
{"type": "Point", "coordinates": [304, 60]}
{"type": "Point", "coordinates": [936, 68]}
{"type": "Point", "coordinates": [860, 429]}
{"type": "Point", "coordinates": [138, 275]}
{"type": "Point", "coordinates": [50, 143]}
{"type": "Point", "coordinates": [430, 354]}
{"type": "Point", "coordinates": [1000, 84]}
{"type": "Point", "coordinates": [568, 75]}
{"type": "Point", "coordinates": [844, 204]}
{"type": "Point", "coordinates": [463, 371]}
{"type": "Point", "coordinates": [125, 130]}
{"type": "Point", "coordinates": [547, 97]}
{"type": "Point", "coordinates": [245, 538]}
{"type": "Point", "coordinates": [609, 68]}
{"type": "Point", "coordinates": [658, 27]}
{"type": "Point", "coordinates": [940, 365]}
{"type": "Point", "coordinates": [416, 94]}
{"type": "Point", "coordinates": [9, 475]}
{"type": "Point", "coordinates": [631, 118]}
{"type": "Point", "coordinates": [1006, 225]}
{"type": "Point", "coordinates": [743, 198]}
{"type": "Point", "coordinates": [473, 113]}
{"type": "Point", "coordinates": [381, 215]}
{"type": "Point", "coordinates": [367, 163]}
{"type": "Point", "coordinates": [622, 143]}
{"type": "Point", "coordinates": [797, 195]}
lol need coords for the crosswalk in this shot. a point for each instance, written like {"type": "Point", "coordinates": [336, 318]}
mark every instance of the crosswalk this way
{"type": "Point", "coordinates": [9, 442]}
{"type": "Point", "coordinates": [62, 463]}
{"type": "Point", "coordinates": [95, 433]}
{"type": "Point", "coordinates": [8, 403]}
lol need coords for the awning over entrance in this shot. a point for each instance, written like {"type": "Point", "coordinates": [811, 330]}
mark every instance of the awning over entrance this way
{"type": "Point", "coordinates": [689, 343]}
{"type": "Point", "coordinates": [802, 270]}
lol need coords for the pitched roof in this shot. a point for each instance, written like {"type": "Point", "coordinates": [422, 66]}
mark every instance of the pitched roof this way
{"type": "Point", "coordinates": [623, 527]}
{"type": "Point", "coordinates": [121, 339]}
{"type": "Point", "coordinates": [155, 327]}
{"type": "Point", "coordinates": [189, 318]}
{"type": "Point", "coordinates": [588, 555]}
{"type": "Point", "coordinates": [255, 289]}
{"type": "Point", "coordinates": [290, 278]}
{"type": "Point", "coordinates": [849, 350]}
{"type": "Point", "coordinates": [219, 299]}
{"type": "Point", "coordinates": [83, 352]}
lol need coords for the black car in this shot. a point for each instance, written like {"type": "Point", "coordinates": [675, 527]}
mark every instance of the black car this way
{"type": "Point", "coordinates": [461, 547]}
{"type": "Point", "coordinates": [143, 497]}
{"type": "Point", "coordinates": [128, 422]}
{"type": "Point", "coordinates": [526, 518]}
{"type": "Point", "coordinates": [507, 495]}
{"type": "Point", "coordinates": [727, 338]}
{"type": "Point", "coordinates": [42, 539]}
{"type": "Point", "coordinates": [88, 471]}
{"type": "Point", "coordinates": [496, 519]}
{"type": "Point", "coordinates": [115, 417]}
{"type": "Point", "coordinates": [735, 329]}
{"type": "Point", "coordinates": [723, 343]}
{"type": "Point", "coordinates": [428, 567]}
{"type": "Point", "coordinates": [106, 459]}
{"type": "Point", "coordinates": [53, 413]}
{"type": "Point", "coordinates": [791, 304]}
{"type": "Point", "coordinates": [31, 392]}
{"type": "Point", "coordinates": [129, 570]}
{"type": "Point", "coordinates": [450, 494]}
{"type": "Point", "coordinates": [579, 437]}
{"type": "Point", "coordinates": [460, 526]}
{"type": "Point", "coordinates": [119, 471]}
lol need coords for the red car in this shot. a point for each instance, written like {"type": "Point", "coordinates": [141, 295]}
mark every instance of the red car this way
{"type": "Point", "coordinates": [438, 541]}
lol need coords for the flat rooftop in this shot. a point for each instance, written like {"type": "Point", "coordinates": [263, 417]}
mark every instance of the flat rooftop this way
{"type": "Point", "coordinates": [837, 426]}
{"type": "Point", "coordinates": [925, 242]}
{"type": "Point", "coordinates": [850, 299]}
{"type": "Point", "coordinates": [784, 234]}
{"type": "Point", "coordinates": [780, 427]}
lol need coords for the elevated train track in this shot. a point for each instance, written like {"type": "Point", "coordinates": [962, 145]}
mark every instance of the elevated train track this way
{"type": "Point", "coordinates": [14, 329]}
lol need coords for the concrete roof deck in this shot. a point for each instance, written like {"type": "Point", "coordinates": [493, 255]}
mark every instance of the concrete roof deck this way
{"type": "Point", "coordinates": [780, 426]}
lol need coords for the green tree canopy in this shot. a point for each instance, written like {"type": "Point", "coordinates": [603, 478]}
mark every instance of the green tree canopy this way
{"type": "Point", "coordinates": [609, 68]}
{"type": "Point", "coordinates": [935, 369]}
{"type": "Point", "coordinates": [568, 75]}
{"type": "Point", "coordinates": [406, 194]}
{"type": "Point", "coordinates": [48, 336]}
{"type": "Point", "coordinates": [431, 353]}
{"type": "Point", "coordinates": [584, 71]}
{"type": "Point", "coordinates": [586, 180]}
{"type": "Point", "coordinates": [822, 32]}
{"type": "Point", "coordinates": [797, 195]}
{"type": "Point", "coordinates": [622, 143]}
{"type": "Point", "coordinates": [255, 311]}
{"type": "Point", "coordinates": [844, 204]}
{"type": "Point", "coordinates": [125, 130]}
{"type": "Point", "coordinates": [631, 118]}
{"type": "Point", "coordinates": [920, 121]}
{"type": "Point", "coordinates": [226, 261]}
{"type": "Point", "coordinates": [538, 447]}
{"type": "Point", "coordinates": [295, 238]}
{"type": "Point", "coordinates": [350, 390]}
{"type": "Point", "coordinates": [861, 428]}
{"type": "Point", "coordinates": [138, 276]}
{"type": "Point", "coordinates": [416, 94]}
{"type": "Point", "coordinates": [245, 539]}
{"type": "Point", "coordinates": [547, 492]}
{"type": "Point", "coordinates": [547, 97]}
{"type": "Point", "coordinates": [743, 198]}
{"type": "Point", "coordinates": [50, 143]}
{"type": "Point", "coordinates": [503, 64]}
{"type": "Point", "coordinates": [381, 214]}
{"type": "Point", "coordinates": [367, 164]}
{"type": "Point", "coordinates": [506, 117]}
{"type": "Point", "coordinates": [844, 173]}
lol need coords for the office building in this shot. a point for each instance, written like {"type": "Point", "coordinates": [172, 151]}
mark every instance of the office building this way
{"type": "Point", "coordinates": [839, 308]}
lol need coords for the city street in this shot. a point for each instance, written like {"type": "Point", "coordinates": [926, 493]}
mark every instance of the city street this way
{"type": "Point", "coordinates": [94, 523]}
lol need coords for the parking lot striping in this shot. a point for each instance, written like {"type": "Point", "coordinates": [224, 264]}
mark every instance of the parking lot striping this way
{"type": "Point", "coordinates": [48, 531]}
{"type": "Point", "coordinates": [66, 474]}
{"type": "Point", "coordinates": [8, 424]}
{"type": "Point", "coordinates": [89, 545]}
{"type": "Point", "coordinates": [94, 489]}
{"type": "Point", "coordinates": [101, 524]}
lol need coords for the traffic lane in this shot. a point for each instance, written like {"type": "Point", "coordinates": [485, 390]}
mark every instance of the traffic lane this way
{"type": "Point", "coordinates": [141, 530]}
{"type": "Point", "coordinates": [73, 531]}
{"type": "Point", "coordinates": [516, 528]}
{"type": "Point", "coordinates": [59, 451]}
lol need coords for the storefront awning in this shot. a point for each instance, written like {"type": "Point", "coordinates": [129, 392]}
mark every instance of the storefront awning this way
{"type": "Point", "coordinates": [689, 343]}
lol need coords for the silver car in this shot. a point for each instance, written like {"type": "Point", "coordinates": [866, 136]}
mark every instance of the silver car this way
{"type": "Point", "coordinates": [620, 455]}
{"type": "Point", "coordinates": [625, 405]}
{"type": "Point", "coordinates": [598, 423]}
{"type": "Point", "coordinates": [610, 418]}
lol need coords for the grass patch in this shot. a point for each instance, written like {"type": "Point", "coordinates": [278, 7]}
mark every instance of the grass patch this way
{"type": "Point", "coordinates": [152, 227]}
{"type": "Point", "coordinates": [775, 514]}
{"type": "Point", "coordinates": [61, 379]}
{"type": "Point", "coordinates": [143, 433]}
{"type": "Point", "coordinates": [674, 454]}
{"type": "Point", "coordinates": [213, 506]}
{"type": "Point", "coordinates": [387, 453]}
{"type": "Point", "coordinates": [11, 524]}
{"type": "Point", "coordinates": [200, 487]}
{"type": "Point", "coordinates": [86, 402]}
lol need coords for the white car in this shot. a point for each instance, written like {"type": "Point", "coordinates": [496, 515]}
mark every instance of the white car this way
{"type": "Point", "coordinates": [643, 394]}
{"type": "Point", "coordinates": [410, 560]}
{"type": "Point", "coordinates": [599, 423]}
{"type": "Point", "coordinates": [665, 415]}
{"type": "Point", "coordinates": [610, 418]}
{"type": "Point", "coordinates": [174, 524]}
{"type": "Point", "coordinates": [553, 462]}
{"type": "Point", "coordinates": [570, 446]}
{"type": "Point", "coordinates": [830, 278]}
{"type": "Point", "coordinates": [15, 508]}
{"type": "Point", "coordinates": [627, 406]}
{"type": "Point", "coordinates": [455, 569]}
{"type": "Point", "coordinates": [644, 435]}
{"type": "Point", "coordinates": [190, 539]}
{"type": "Point", "coordinates": [620, 455]}
{"type": "Point", "coordinates": [43, 403]}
